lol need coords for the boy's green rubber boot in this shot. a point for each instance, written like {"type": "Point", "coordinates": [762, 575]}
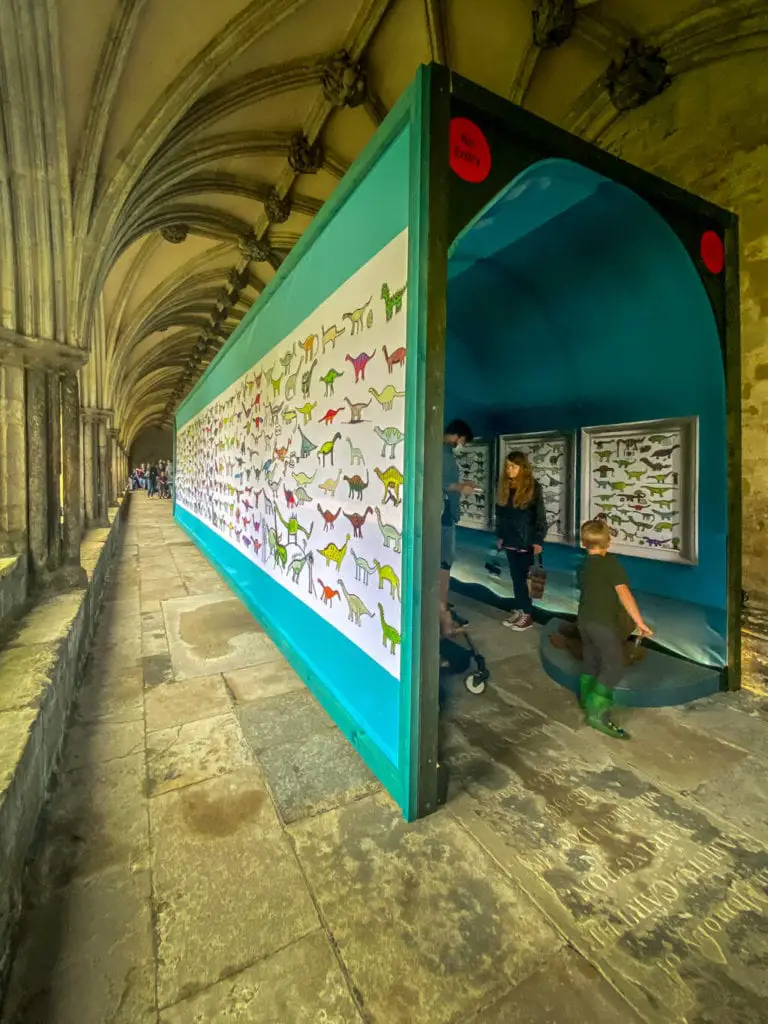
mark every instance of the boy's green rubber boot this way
{"type": "Point", "coordinates": [598, 707]}
{"type": "Point", "coordinates": [586, 685]}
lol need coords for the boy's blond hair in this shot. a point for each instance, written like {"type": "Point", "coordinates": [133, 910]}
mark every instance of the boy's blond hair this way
{"type": "Point", "coordinates": [596, 534]}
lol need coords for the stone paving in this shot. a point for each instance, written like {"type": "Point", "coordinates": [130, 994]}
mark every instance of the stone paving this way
{"type": "Point", "coordinates": [215, 850]}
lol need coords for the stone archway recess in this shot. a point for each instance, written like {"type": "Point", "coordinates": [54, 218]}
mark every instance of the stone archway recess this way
{"type": "Point", "coordinates": [158, 159]}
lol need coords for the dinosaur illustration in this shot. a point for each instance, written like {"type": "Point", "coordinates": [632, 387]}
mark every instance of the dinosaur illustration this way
{"type": "Point", "coordinates": [290, 384]}
{"type": "Point", "coordinates": [665, 453]}
{"type": "Point", "coordinates": [389, 534]}
{"type": "Point", "coordinates": [289, 415]}
{"type": "Point", "coordinates": [329, 518]}
{"type": "Point", "coordinates": [277, 549]}
{"type": "Point", "coordinates": [391, 437]}
{"type": "Point", "coordinates": [359, 363]}
{"type": "Point", "coordinates": [392, 479]}
{"type": "Point", "coordinates": [393, 301]}
{"type": "Point", "coordinates": [356, 410]}
{"type": "Point", "coordinates": [306, 445]}
{"type": "Point", "coordinates": [387, 397]}
{"type": "Point", "coordinates": [659, 491]}
{"type": "Point", "coordinates": [330, 379]}
{"type": "Point", "coordinates": [635, 474]}
{"type": "Point", "coordinates": [306, 411]}
{"type": "Point", "coordinates": [356, 485]}
{"type": "Point", "coordinates": [604, 471]}
{"type": "Point", "coordinates": [396, 359]}
{"type": "Point", "coordinates": [287, 359]}
{"type": "Point", "coordinates": [330, 416]}
{"type": "Point", "coordinates": [301, 496]}
{"type": "Point", "coordinates": [358, 521]}
{"type": "Point", "coordinates": [356, 318]}
{"type": "Point", "coordinates": [655, 466]}
{"type": "Point", "coordinates": [604, 454]}
{"type": "Point", "coordinates": [388, 575]}
{"type": "Point", "coordinates": [389, 635]}
{"type": "Point", "coordinates": [619, 485]}
{"type": "Point", "coordinates": [293, 527]}
{"type": "Point", "coordinates": [330, 336]}
{"type": "Point", "coordinates": [659, 438]}
{"type": "Point", "coordinates": [664, 527]}
{"type": "Point", "coordinates": [308, 345]}
{"type": "Point", "coordinates": [298, 564]}
{"type": "Point", "coordinates": [355, 605]}
{"type": "Point", "coordinates": [275, 382]}
{"type": "Point", "coordinates": [326, 448]}
{"type": "Point", "coordinates": [302, 479]}
{"type": "Point", "coordinates": [355, 454]}
{"type": "Point", "coordinates": [329, 486]}
{"type": "Point", "coordinates": [363, 569]}
{"type": "Point", "coordinates": [327, 593]}
{"type": "Point", "coordinates": [332, 553]}
{"type": "Point", "coordinates": [306, 380]}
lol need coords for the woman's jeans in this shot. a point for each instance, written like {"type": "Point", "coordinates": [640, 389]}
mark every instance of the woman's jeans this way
{"type": "Point", "coordinates": [520, 563]}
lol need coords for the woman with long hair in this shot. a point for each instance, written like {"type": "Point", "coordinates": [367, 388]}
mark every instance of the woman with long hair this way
{"type": "Point", "coordinates": [521, 526]}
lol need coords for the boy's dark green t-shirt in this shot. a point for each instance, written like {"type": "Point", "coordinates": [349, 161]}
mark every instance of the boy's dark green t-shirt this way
{"type": "Point", "coordinates": [598, 577]}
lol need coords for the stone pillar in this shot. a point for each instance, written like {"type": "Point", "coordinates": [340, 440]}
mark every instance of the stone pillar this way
{"type": "Point", "coordinates": [54, 471]}
{"type": "Point", "coordinates": [103, 454]}
{"type": "Point", "coordinates": [115, 479]}
{"type": "Point", "coordinates": [37, 472]}
{"type": "Point", "coordinates": [89, 471]}
{"type": "Point", "coordinates": [13, 462]}
{"type": "Point", "coordinates": [71, 439]}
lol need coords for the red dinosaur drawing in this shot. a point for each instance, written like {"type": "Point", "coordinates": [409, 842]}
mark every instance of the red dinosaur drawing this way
{"type": "Point", "coordinates": [359, 364]}
{"type": "Point", "coordinates": [358, 521]}
{"type": "Point", "coordinates": [329, 518]}
{"type": "Point", "coordinates": [396, 359]}
{"type": "Point", "coordinates": [328, 594]}
{"type": "Point", "coordinates": [330, 416]}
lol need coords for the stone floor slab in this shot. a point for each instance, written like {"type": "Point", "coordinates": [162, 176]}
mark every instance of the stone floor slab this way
{"type": "Point", "coordinates": [229, 890]}
{"type": "Point", "coordinates": [193, 752]}
{"type": "Point", "coordinates": [428, 927]}
{"type": "Point", "coordinates": [315, 774]}
{"type": "Point", "coordinates": [287, 718]}
{"type": "Point", "coordinates": [86, 955]}
{"type": "Point", "coordinates": [97, 742]}
{"type": "Point", "coordinates": [189, 701]}
{"type": "Point", "coordinates": [301, 984]}
{"type": "Point", "coordinates": [116, 699]}
{"type": "Point", "coordinates": [268, 680]}
{"type": "Point", "coordinates": [214, 633]}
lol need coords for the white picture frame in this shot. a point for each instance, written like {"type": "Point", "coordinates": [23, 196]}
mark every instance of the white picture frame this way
{"type": "Point", "coordinates": [475, 462]}
{"type": "Point", "coordinates": [553, 456]}
{"type": "Point", "coordinates": [643, 479]}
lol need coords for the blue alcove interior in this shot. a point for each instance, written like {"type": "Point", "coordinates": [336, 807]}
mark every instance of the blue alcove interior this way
{"type": "Point", "coordinates": [572, 303]}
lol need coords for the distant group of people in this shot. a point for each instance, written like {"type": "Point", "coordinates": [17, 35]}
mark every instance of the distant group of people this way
{"type": "Point", "coordinates": [608, 612]}
{"type": "Point", "coordinates": [155, 478]}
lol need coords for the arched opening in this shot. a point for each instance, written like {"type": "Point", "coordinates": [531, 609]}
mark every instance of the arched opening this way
{"type": "Point", "coordinates": [572, 305]}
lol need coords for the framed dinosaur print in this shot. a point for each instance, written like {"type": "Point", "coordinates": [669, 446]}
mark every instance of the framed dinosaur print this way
{"type": "Point", "coordinates": [643, 480]}
{"type": "Point", "coordinates": [553, 457]}
{"type": "Point", "coordinates": [475, 463]}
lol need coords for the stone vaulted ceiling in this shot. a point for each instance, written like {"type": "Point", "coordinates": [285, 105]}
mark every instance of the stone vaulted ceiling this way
{"type": "Point", "coordinates": [188, 144]}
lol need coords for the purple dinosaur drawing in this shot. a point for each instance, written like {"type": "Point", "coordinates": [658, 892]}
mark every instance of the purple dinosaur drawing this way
{"type": "Point", "coordinates": [359, 364]}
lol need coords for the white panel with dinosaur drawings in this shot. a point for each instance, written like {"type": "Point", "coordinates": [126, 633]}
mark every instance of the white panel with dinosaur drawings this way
{"type": "Point", "coordinates": [642, 479]}
{"type": "Point", "coordinates": [475, 466]}
{"type": "Point", "coordinates": [299, 463]}
{"type": "Point", "coordinates": [553, 457]}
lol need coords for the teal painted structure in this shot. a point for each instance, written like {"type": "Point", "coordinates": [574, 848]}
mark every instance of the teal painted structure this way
{"type": "Point", "coordinates": [380, 196]}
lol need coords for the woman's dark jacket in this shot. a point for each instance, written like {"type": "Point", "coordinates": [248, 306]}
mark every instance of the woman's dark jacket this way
{"type": "Point", "coordinates": [521, 528]}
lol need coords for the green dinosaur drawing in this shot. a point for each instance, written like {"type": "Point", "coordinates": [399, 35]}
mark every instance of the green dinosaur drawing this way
{"type": "Point", "coordinates": [604, 455]}
{"type": "Point", "coordinates": [357, 485]}
{"type": "Point", "coordinates": [389, 635]}
{"type": "Point", "coordinates": [363, 570]}
{"type": "Point", "coordinates": [619, 485]}
{"type": "Point", "coordinates": [306, 411]}
{"type": "Point", "coordinates": [302, 479]}
{"type": "Point", "coordinates": [293, 527]}
{"type": "Point", "coordinates": [332, 553]}
{"type": "Point", "coordinates": [277, 549]}
{"type": "Point", "coordinates": [275, 382]}
{"type": "Point", "coordinates": [660, 491]}
{"type": "Point", "coordinates": [329, 486]}
{"type": "Point", "coordinates": [301, 495]}
{"type": "Point", "coordinates": [356, 318]}
{"type": "Point", "coordinates": [290, 383]}
{"type": "Point", "coordinates": [390, 535]}
{"type": "Point", "coordinates": [306, 380]}
{"type": "Point", "coordinates": [635, 474]}
{"type": "Point", "coordinates": [355, 605]}
{"type": "Point", "coordinates": [388, 575]}
{"type": "Point", "coordinates": [330, 336]}
{"type": "Point", "coordinates": [326, 449]}
{"type": "Point", "coordinates": [393, 301]}
{"type": "Point", "coordinates": [391, 437]}
{"type": "Point", "coordinates": [392, 479]}
{"type": "Point", "coordinates": [664, 527]}
{"type": "Point", "coordinates": [289, 415]}
{"type": "Point", "coordinates": [330, 379]}
{"type": "Point", "coordinates": [387, 397]}
{"type": "Point", "coordinates": [298, 564]}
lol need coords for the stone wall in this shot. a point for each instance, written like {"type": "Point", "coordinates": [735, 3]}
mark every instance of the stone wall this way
{"type": "Point", "coordinates": [152, 444]}
{"type": "Point", "coordinates": [40, 669]}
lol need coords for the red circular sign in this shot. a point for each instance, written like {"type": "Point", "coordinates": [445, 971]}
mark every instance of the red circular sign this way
{"type": "Point", "coordinates": [470, 153]}
{"type": "Point", "coordinates": [712, 252]}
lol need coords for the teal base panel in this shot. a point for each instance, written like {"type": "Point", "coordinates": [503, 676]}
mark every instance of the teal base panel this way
{"type": "Point", "coordinates": [302, 636]}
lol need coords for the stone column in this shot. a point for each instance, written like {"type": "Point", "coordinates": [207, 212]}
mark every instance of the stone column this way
{"type": "Point", "coordinates": [37, 472]}
{"type": "Point", "coordinates": [89, 470]}
{"type": "Point", "coordinates": [54, 471]}
{"type": "Point", "coordinates": [103, 454]}
{"type": "Point", "coordinates": [115, 482]}
{"type": "Point", "coordinates": [13, 462]}
{"type": "Point", "coordinates": [71, 439]}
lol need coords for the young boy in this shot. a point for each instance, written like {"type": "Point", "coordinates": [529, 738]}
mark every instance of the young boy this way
{"type": "Point", "coordinates": [605, 606]}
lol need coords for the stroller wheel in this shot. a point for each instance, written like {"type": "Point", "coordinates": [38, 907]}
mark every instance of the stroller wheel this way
{"type": "Point", "coordinates": [475, 682]}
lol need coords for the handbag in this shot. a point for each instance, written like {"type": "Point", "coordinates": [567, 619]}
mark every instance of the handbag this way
{"type": "Point", "coordinates": [537, 579]}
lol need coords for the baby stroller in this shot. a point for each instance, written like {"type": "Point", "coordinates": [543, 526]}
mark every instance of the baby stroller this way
{"type": "Point", "coordinates": [459, 656]}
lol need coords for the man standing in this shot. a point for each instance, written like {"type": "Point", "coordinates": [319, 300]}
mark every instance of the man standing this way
{"type": "Point", "coordinates": [456, 435]}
